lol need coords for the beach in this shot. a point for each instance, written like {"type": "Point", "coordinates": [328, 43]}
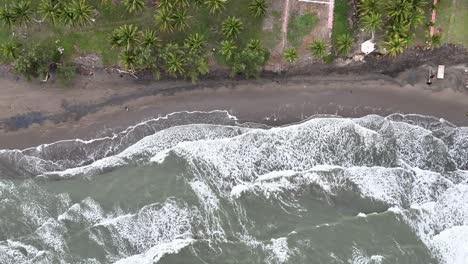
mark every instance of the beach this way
{"type": "Point", "coordinates": [100, 105]}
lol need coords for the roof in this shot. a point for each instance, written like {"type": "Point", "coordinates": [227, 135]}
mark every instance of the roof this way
{"type": "Point", "coordinates": [367, 47]}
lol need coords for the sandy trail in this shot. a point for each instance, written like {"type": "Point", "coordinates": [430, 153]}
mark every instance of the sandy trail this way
{"type": "Point", "coordinates": [284, 27]}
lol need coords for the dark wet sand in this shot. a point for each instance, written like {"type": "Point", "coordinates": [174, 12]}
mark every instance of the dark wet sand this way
{"type": "Point", "coordinates": [276, 102]}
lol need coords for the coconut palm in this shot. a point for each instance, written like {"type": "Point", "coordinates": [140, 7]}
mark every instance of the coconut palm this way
{"type": "Point", "coordinates": [22, 12]}
{"type": "Point", "coordinates": [290, 55]}
{"type": "Point", "coordinates": [215, 5]}
{"type": "Point", "coordinates": [232, 26]}
{"type": "Point", "coordinates": [180, 18]}
{"type": "Point", "coordinates": [78, 12]}
{"type": "Point", "coordinates": [344, 43]}
{"type": "Point", "coordinates": [254, 44]}
{"type": "Point", "coordinates": [399, 10]}
{"type": "Point", "coordinates": [195, 42]}
{"type": "Point", "coordinates": [395, 45]}
{"type": "Point", "coordinates": [228, 47]}
{"type": "Point", "coordinates": [371, 22]}
{"type": "Point", "coordinates": [318, 48]}
{"type": "Point", "coordinates": [129, 59]}
{"type": "Point", "coordinates": [10, 50]}
{"type": "Point", "coordinates": [369, 6]}
{"type": "Point", "coordinates": [50, 11]}
{"type": "Point", "coordinates": [7, 17]}
{"type": "Point", "coordinates": [258, 8]}
{"type": "Point", "coordinates": [126, 37]}
{"type": "Point", "coordinates": [149, 39]}
{"type": "Point", "coordinates": [181, 3]}
{"type": "Point", "coordinates": [134, 6]}
{"type": "Point", "coordinates": [164, 20]}
{"type": "Point", "coordinates": [175, 63]}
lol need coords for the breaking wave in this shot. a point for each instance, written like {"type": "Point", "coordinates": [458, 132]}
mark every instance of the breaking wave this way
{"type": "Point", "coordinates": [198, 187]}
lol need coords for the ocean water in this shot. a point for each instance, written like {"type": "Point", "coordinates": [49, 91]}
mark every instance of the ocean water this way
{"type": "Point", "coordinates": [200, 187]}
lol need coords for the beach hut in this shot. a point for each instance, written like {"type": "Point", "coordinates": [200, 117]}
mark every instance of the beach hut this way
{"type": "Point", "coordinates": [367, 47]}
{"type": "Point", "coordinates": [441, 72]}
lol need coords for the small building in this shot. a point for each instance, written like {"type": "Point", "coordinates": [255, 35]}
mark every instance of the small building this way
{"type": "Point", "coordinates": [441, 72]}
{"type": "Point", "coordinates": [367, 47]}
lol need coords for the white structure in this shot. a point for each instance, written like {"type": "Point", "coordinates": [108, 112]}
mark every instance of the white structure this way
{"type": "Point", "coordinates": [367, 47]}
{"type": "Point", "coordinates": [440, 72]}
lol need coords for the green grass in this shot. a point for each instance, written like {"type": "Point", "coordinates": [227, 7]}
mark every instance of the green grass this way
{"type": "Point", "coordinates": [454, 27]}
{"type": "Point", "coordinates": [95, 38]}
{"type": "Point", "coordinates": [299, 27]}
{"type": "Point", "coordinates": [340, 23]}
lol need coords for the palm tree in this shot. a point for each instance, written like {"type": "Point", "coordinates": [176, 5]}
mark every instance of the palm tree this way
{"type": "Point", "coordinates": [129, 59]}
{"type": "Point", "coordinates": [50, 11]}
{"type": "Point", "coordinates": [175, 63]}
{"type": "Point", "coordinates": [369, 6]}
{"type": "Point", "coordinates": [195, 42]}
{"type": "Point", "coordinates": [126, 36]}
{"type": "Point", "coordinates": [7, 17]}
{"type": "Point", "coordinates": [22, 12]}
{"type": "Point", "coordinates": [134, 6]}
{"type": "Point", "coordinates": [149, 39]}
{"type": "Point", "coordinates": [180, 18]}
{"type": "Point", "coordinates": [290, 55]}
{"type": "Point", "coordinates": [399, 10]}
{"type": "Point", "coordinates": [68, 17]}
{"type": "Point", "coordinates": [164, 20]}
{"type": "Point", "coordinates": [182, 3]}
{"type": "Point", "coordinates": [254, 44]}
{"type": "Point", "coordinates": [215, 5]}
{"type": "Point", "coordinates": [344, 43]}
{"type": "Point", "coordinates": [258, 8]}
{"type": "Point", "coordinates": [228, 47]}
{"type": "Point", "coordinates": [395, 45]}
{"type": "Point", "coordinates": [79, 12]}
{"type": "Point", "coordinates": [371, 22]}
{"type": "Point", "coordinates": [232, 26]}
{"type": "Point", "coordinates": [10, 50]}
{"type": "Point", "coordinates": [318, 48]}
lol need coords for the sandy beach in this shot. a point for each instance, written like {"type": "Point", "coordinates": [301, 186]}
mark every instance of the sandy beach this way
{"type": "Point", "coordinates": [31, 114]}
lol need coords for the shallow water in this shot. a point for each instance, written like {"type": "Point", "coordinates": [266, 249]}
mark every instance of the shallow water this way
{"type": "Point", "coordinates": [201, 188]}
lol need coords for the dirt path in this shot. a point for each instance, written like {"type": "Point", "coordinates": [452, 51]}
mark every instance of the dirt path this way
{"type": "Point", "coordinates": [284, 27]}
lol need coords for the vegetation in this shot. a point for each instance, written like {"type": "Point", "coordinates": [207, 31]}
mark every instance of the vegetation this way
{"type": "Point", "coordinates": [299, 27]}
{"type": "Point", "coordinates": [344, 43]}
{"type": "Point", "coordinates": [174, 38]}
{"type": "Point", "coordinates": [290, 55]}
{"type": "Point", "coordinates": [340, 22]}
{"type": "Point", "coordinates": [318, 48]}
{"type": "Point", "coordinates": [258, 8]}
{"type": "Point", "coordinates": [398, 18]}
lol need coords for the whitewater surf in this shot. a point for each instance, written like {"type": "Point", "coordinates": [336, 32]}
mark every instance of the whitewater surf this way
{"type": "Point", "coordinates": [201, 187]}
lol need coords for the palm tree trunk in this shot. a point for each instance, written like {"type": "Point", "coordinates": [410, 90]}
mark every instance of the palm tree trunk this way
{"type": "Point", "coordinates": [373, 33]}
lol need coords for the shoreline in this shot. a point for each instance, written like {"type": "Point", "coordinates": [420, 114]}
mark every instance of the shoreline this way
{"type": "Point", "coordinates": [97, 108]}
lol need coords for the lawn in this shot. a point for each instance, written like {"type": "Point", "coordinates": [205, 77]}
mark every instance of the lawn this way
{"type": "Point", "coordinates": [452, 17]}
{"type": "Point", "coordinates": [299, 27]}
{"type": "Point", "coordinates": [78, 41]}
{"type": "Point", "coordinates": [340, 23]}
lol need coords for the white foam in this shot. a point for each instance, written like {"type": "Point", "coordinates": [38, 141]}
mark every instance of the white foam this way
{"type": "Point", "coordinates": [155, 253]}
{"type": "Point", "coordinates": [279, 250]}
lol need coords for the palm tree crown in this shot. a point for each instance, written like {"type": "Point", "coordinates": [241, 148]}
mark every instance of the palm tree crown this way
{"type": "Point", "coordinates": [258, 8]}
{"type": "Point", "coordinates": [7, 17]}
{"type": "Point", "coordinates": [195, 42]}
{"type": "Point", "coordinates": [344, 43]}
{"type": "Point", "coordinates": [22, 12]}
{"type": "Point", "coordinates": [164, 20]}
{"type": "Point", "coordinates": [232, 26]}
{"type": "Point", "coordinates": [228, 47]}
{"type": "Point", "coordinates": [149, 39]}
{"type": "Point", "coordinates": [180, 18]}
{"type": "Point", "coordinates": [134, 6]}
{"type": "Point", "coordinates": [318, 48]}
{"type": "Point", "coordinates": [126, 36]}
{"type": "Point", "coordinates": [78, 12]}
{"type": "Point", "coordinates": [395, 46]}
{"type": "Point", "coordinates": [215, 5]}
{"type": "Point", "coordinates": [290, 55]}
{"type": "Point", "coordinates": [50, 11]}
